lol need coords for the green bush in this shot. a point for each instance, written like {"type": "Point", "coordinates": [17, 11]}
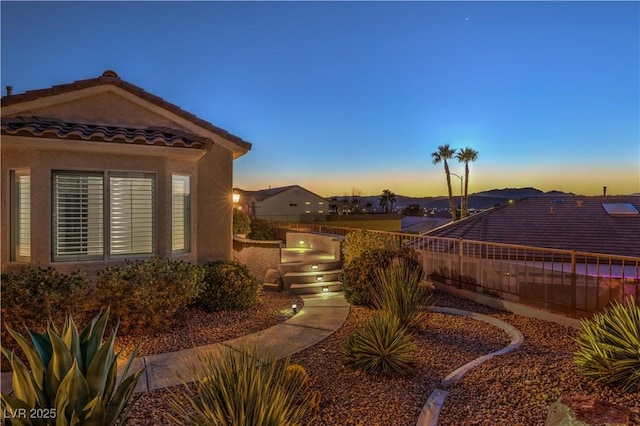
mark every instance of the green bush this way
{"type": "Point", "coordinates": [261, 230]}
{"type": "Point", "coordinates": [247, 388]}
{"type": "Point", "coordinates": [400, 290]}
{"type": "Point", "coordinates": [227, 285]}
{"type": "Point", "coordinates": [609, 346]}
{"type": "Point", "coordinates": [382, 345]}
{"type": "Point", "coordinates": [146, 295]}
{"type": "Point", "coordinates": [358, 279]}
{"type": "Point", "coordinates": [34, 296]}
{"type": "Point", "coordinates": [358, 241]}
{"type": "Point", "coordinates": [241, 222]}
{"type": "Point", "coordinates": [72, 379]}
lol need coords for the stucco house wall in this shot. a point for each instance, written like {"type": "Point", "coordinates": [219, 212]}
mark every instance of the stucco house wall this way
{"type": "Point", "coordinates": [286, 204]}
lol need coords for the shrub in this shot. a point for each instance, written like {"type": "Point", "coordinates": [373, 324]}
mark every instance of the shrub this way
{"type": "Point", "coordinates": [227, 285]}
{"type": "Point", "coordinates": [400, 290]}
{"type": "Point", "coordinates": [609, 346]}
{"type": "Point", "coordinates": [241, 222]}
{"type": "Point", "coordinates": [72, 378]}
{"type": "Point", "coordinates": [358, 241]}
{"type": "Point", "coordinates": [33, 296]}
{"type": "Point", "coordinates": [358, 283]}
{"type": "Point", "coordinates": [147, 294]}
{"type": "Point", "coordinates": [381, 345]}
{"type": "Point", "coordinates": [247, 388]}
{"type": "Point", "coordinates": [261, 230]}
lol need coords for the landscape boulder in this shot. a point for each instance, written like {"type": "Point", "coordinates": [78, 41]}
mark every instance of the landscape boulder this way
{"type": "Point", "coordinates": [585, 410]}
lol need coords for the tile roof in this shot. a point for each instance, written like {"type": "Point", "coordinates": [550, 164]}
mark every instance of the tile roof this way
{"type": "Point", "coordinates": [111, 78]}
{"type": "Point", "coordinates": [263, 194]}
{"type": "Point", "coordinates": [580, 223]}
{"type": "Point", "coordinates": [58, 129]}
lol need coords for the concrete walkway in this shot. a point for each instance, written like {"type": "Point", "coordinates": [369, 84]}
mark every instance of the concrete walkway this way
{"type": "Point", "coordinates": [321, 315]}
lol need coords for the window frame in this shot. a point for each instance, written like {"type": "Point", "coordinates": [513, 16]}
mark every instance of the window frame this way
{"type": "Point", "coordinates": [186, 215]}
{"type": "Point", "coordinates": [106, 216]}
{"type": "Point", "coordinates": [16, 224]}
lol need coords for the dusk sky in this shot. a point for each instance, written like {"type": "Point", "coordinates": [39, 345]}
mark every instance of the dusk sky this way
{"type": "Point", "coordinates": [337, 96]}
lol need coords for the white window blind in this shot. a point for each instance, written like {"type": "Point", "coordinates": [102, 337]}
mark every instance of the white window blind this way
{"type": "Point", "coordinates": [78, 216]}
{"type": "Point", "coordinates": [131, 213]}
{"type": "Point", "coordinates": [180, 213]}
{"type": "Point", "coordinates": [20, 215]}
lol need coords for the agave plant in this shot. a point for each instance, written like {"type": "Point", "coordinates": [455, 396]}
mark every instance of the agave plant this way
{"type": "Point", "coordinates": [381, 345]}
{"type": "Point", "coordinates": [72, 379]}
{"type": "Point", "coordinates": [399, 289]}
{"type": "Point", "coordinates": [248, 388]}
{"type": "Point", "coordinates": [609, 346]}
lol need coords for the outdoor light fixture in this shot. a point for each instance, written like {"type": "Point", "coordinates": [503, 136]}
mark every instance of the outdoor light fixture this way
{"type": "Point", "coordinates": [314, 267]}
{"type": "Point", "coordinates": [294, 307]}
{"type": "Point", "coordinates": [236, 197]}
{"type": "Point", "coordinates": [319, 278]}
{"type": "Point", "coordinates": [301, 242]}
{"type": "Point", "coordinates": [325, 289]}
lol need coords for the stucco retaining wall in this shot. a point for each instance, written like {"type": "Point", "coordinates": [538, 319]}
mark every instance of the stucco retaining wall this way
{"type": "Point", "coordinates": [259, 256]}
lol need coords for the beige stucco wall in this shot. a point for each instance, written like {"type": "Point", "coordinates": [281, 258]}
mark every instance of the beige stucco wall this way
{"type": "Point", "coordinates": [278, 206]}
{"type": "Point", "coordinates": [210, 193]}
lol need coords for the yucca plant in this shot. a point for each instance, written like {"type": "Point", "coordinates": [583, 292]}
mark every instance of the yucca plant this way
{"type": "Point", "coordinates": [381, 345]}
{"type": "Point", "coordinates": [72, 379]}
{"type": "Point", "coordinates": [609, 346]}
{"type": "Point", "coordinates": [399, 289]}
{"type": "Point", "coordinates": [248, 388]}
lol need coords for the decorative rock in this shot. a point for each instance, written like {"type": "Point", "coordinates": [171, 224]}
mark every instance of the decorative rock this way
{"type": "Point", "coordinates": [272, 276]}
{"type": "Point", "coordinates": [584, 410]}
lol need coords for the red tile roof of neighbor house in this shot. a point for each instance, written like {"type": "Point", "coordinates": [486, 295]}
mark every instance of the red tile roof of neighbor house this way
{"type": "Point", "coordinates": [57, 129]}
{"type": "Point", "coordinates": [578, 222]}
{"type": "Point", "coordinates": [111, 78]}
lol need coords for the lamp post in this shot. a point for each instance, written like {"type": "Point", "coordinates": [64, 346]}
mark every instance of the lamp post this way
{"type": "Point", "coordinates": [459, 177]}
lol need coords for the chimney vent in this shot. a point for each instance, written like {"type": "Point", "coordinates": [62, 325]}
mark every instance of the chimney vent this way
{"type": "Point", "coordinates": [604, 191]}
{"type": "Point", "coordinates": [9, 90]}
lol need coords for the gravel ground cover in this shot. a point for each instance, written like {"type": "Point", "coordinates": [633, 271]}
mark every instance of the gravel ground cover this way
{"type": "Point", "coordinates": [512, 389]}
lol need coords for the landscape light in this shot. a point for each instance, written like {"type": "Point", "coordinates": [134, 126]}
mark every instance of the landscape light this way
{"type": "Point", "coordinates": [319, 278]}
{"type": "Point", "coordinates": [294, 307]}
{"type": "Point", "coordinates": [314, 267]}
{"type": "Point", "coordinates": [325, 289]}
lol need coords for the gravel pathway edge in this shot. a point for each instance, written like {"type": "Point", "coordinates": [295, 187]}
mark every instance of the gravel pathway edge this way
{"type": "Point", "coordinates": [431, 409]}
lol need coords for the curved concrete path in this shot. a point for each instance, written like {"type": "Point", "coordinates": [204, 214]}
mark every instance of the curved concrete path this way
{"type": "Point", "coordinates": [431, 409]}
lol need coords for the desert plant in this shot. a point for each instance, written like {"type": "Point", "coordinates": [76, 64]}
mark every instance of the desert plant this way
{"type": "Point", "coordinates": [400, 289]}
{"type": "Point", "coordinates": [227, 285]}
{"type": "Point", "coordinates": [246, 388]}
{"type": "Point", "coordinates": [381, 345]}
{"type": "Point", "coordinates": [72, 379]}
{"type": "Point", "coordinates": [609, 346]}
{"type": "Point", "coordinates": [241, 222]}
{"type": "Point", "coordinates": [33, 296]}
{"type": "Point", "coordinates": [358, 241]}
{"type": "Point", "coordinates": [148, 294]}
{"type": "Point", "coordinates": [358, 279]}
{"type": "Point", "coordinates": [261, 230]}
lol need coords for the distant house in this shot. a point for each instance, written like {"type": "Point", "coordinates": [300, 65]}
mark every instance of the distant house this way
{"type": "Point", "coordinates": [287, 203]}
{"type": "Point", "coordinates": [97, 171]}
{"type": "Point", "coordinates": [597, 224]}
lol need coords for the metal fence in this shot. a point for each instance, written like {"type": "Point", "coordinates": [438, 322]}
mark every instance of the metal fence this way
{"type": "Point", "coordinates": [571, 282]}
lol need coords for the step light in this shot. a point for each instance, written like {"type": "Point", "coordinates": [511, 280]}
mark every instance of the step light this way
{"type": "Point", "coordinates": [319, 278]}
{"type": "Point", "coordinates": [314, 267]}
{"type": "Point", "coordinates": [325, 289]}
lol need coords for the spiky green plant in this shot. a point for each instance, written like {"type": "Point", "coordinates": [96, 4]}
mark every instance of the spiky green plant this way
{"type": "Point", "coordinates": [381, 345]}
{"type": "Point", "coordinates": [72, 378]}
{"type": "Point", "coordinates": [609, 346]}
{"type": "Point", "coordinates": [248, 388]}
{"type": "Point", "coordinates": [399, 289]}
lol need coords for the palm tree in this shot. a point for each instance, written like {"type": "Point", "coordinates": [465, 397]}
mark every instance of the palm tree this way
{"type": "Point", "coordinates": [466, 156]}
{"type": "Point", "coordinates": [384, 201]}
{"type": "Point", "coordinates": [392, 199]}
{"type": "Point", "coordinates": [443, 154]}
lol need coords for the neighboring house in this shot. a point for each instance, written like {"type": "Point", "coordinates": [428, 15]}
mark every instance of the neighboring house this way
{"type": "Point", "coordinates": [596, 224]}
{"type": "Point", "coordinates": [99, 170]}
{"type": "Point", "coordinates": [288, 203]}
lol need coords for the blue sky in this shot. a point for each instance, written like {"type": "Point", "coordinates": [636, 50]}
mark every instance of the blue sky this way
{"type": "Point", "coordinates": [343, 96]}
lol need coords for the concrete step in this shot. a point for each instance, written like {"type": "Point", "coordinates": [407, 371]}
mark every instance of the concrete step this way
{"type": "Point", "coordinates": [315, 287]}
{"type": "Point", "coordinates": [310, 266]}
{"type": "Point", "coordinates": [309, 277]}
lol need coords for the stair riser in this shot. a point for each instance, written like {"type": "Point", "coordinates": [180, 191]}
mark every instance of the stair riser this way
{"type": "Point", "coordinates": [313, 288]}
{"type": "Point", "coordinates": [291, 278]}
